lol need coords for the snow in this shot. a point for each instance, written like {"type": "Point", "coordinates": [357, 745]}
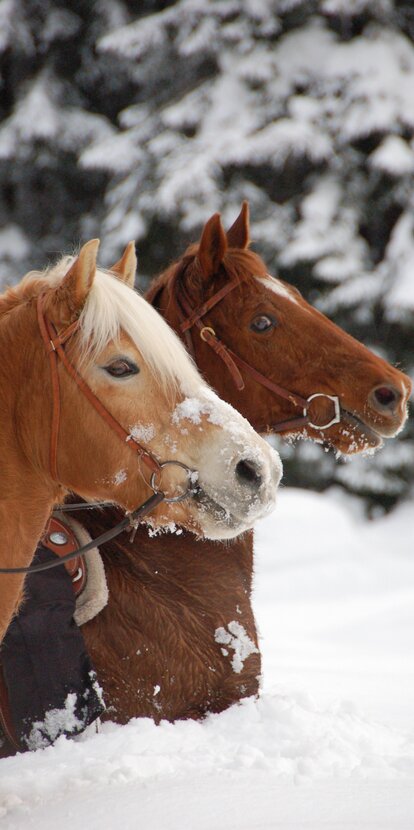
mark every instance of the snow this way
{"type": "Point", "coordinates": [399, 261]}
{"type": "Point", "coordinates": [217, 412]}
{"type": "Point", "coordinates": [37, 116]}
{"type": "Point", "coordinates": [142, 432]}
{"type": "Point", "coordinates": [13, 242]}
{"type": "Point", "coordinates": [328, 744]}
{"type": "Point", "coordinates": [6, 29]}
{"type": "Point", "coordinates": [119, 153]}
{"type": "Point", "coordinates": [327, 233]}
{"type": "Point", "coordinates": [60, 24]}
{"type": "Point", "coordinates": [235, 637]}
{"type": "Point", "coordinates": [55, 721]}
{"type": "Point", "coordinates": [277, 103]}
{"type": "Point", "coordinates": [394, 156]}
{"type": "Point", "coordinates": [120, 477]}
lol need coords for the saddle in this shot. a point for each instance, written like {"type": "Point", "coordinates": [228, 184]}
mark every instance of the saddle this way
{"type": "Point", "coordinates": [81, 593]}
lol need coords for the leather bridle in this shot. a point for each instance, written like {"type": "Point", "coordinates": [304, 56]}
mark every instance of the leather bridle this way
{"type": "Point", "coordinates": [190, 317]}
{"type": "Point", "coordinates": [55, 346]}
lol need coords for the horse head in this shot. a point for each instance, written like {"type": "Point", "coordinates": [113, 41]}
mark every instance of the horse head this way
{"type": "Point", "coordinates": [273, 356]}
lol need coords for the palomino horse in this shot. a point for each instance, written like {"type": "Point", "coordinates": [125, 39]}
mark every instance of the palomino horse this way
{"type": "Point", "coordinates": [87, 363]}
{"type": "Point", "coordinates": [178, 636]}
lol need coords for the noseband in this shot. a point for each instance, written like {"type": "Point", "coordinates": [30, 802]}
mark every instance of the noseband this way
{"type": "Point", "coordinates": [190, 317]}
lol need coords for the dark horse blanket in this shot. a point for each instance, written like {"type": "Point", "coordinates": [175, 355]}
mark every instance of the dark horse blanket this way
{"type": "Point", "coordinates": [51, 684]}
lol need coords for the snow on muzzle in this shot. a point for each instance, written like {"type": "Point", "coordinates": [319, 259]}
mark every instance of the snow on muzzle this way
{"type": "Point", "coordinates": [237, 483]}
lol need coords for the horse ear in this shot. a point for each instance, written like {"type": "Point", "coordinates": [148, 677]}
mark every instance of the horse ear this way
{"type": "Point", "coordinates": [238, 236]}
{"type": "Point", "coordinates": [72, 293]}
{"type": "Point", "coordinates": [212, 247]}
{"type": "Point", "coordinates": [126, 267]}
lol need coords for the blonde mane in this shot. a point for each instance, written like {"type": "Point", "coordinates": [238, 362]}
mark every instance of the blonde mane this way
{"type": "Point", "coordinates": [112, 307]}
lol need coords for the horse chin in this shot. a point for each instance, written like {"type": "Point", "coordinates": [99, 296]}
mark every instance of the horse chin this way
{"type": "Point", "coordinates": [350, 437]}
{"type": "Point", "coordinates": [216, 521]}
{"type": "Point", "coordinates": [355, 436]}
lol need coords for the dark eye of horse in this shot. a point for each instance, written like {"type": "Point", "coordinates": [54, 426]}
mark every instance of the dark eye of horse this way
{"type": "Point", "coordinates": [262, 323]}
{"type": "Point", "coordinates": [122, 368]}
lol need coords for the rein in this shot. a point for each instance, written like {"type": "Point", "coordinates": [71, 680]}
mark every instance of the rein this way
{"type": "Point", "coordinates": [190, 317]}
{"type": "Point", "coordinates": [124, 524]}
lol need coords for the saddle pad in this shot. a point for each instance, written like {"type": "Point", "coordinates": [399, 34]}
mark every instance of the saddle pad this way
{"type": "Point", "coordinates": [94, 595]}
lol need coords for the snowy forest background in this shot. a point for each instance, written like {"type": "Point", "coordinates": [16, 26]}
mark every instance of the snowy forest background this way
{"type": "Point", "coordinates": [124, 119]}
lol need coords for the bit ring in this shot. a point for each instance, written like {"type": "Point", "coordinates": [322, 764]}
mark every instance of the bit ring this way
{"type": "Point", "coordinates": [337, 417]}
{"type": "Point", "coordinates": [157, 486]}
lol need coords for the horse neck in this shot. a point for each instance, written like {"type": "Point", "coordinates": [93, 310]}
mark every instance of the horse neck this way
{"type": "Point", "coordinates": [168, 569]}
{"type": "Point", "coordinates": [24, 410]}
{"type": "Point", "coordinates": [23, 516]}
{"type": "Point", "coordinates": [26, 493]}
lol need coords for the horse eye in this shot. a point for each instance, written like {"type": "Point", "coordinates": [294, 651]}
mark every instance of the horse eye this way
{"type": "Point", "coordinates": [262, 323]}
{"type": "Point", "coordinates": [122, 368]}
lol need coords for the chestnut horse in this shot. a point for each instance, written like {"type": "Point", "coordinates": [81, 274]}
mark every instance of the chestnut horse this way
{"type": "Point", "coordinates": [178, 637]}
{"type": "Point", "coordinates": [91, 376]}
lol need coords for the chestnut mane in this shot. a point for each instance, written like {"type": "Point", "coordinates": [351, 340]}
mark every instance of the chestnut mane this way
{"type": "Point", "coordinates": [239, 264]}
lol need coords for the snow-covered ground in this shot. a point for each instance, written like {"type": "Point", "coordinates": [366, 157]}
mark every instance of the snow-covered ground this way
{"type": "Point", "coordinates": [330, 744]}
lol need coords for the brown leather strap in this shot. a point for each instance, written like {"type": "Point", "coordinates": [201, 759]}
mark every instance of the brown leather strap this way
{"type": "Point", "coordinates": [209, 336]}
{"type": "Point", "coordinates": [62, 337]}
{"type": "Point", "coordinates": [290, 423]}
{"type": "Point", "coordinates": [105, 414]}
{"type": "Point", "coordinates": [293, 397]}
{"type": "Point", "coordinates": [197, 314]}
{"type": "Point", "coordinates": [231, 359]}
{"type": "Point", "coordinates": [54, 434]}
{"type": "Point", "coordinates": [54, 343]}
{"type": "Point", "coordinates": [206, 333]}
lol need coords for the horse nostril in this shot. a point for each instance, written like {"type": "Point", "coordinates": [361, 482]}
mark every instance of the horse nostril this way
{"type": "Point", "coordinates": [386, 396]}
{"type": "Point", "coordinates": [248, 473]}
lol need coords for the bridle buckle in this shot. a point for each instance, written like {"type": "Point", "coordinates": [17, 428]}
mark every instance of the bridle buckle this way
{"type": "Point", "coordinates": [210, 331]}
{"type": "Point", "coordinates": [337, 416]}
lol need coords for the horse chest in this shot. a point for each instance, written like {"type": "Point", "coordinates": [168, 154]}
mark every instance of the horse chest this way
{"type": "Point", "coordinates": [180, 654]}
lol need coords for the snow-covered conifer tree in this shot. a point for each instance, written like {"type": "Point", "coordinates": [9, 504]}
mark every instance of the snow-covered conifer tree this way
{"type": "Point", "coordinates": [141, 119]}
